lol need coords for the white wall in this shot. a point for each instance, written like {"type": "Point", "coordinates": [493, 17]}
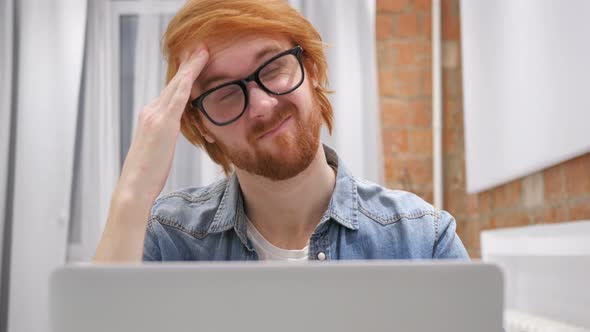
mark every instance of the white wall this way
{"type": "Point", "coordinates": [50, 61]}
{"type": "Point", "coordinates": [526, 79]}
{"type": "Point", "coordinates": [546, 269]}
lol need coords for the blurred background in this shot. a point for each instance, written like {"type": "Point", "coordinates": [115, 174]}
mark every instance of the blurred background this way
{"type": "Point", "coordinates": [478, 106]}
{"type": "Point", "coordinates": [549, 188]}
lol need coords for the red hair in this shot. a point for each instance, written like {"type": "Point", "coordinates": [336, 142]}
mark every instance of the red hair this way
{"type": "Point", "coordinates": [200, 20]}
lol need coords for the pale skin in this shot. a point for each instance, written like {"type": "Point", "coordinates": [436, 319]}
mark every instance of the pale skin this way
{"type": "Point", "coordinates": [285, 212]}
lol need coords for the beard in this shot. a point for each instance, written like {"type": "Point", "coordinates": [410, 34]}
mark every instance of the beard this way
{"type": "Point", "coordinates": [296, 151]}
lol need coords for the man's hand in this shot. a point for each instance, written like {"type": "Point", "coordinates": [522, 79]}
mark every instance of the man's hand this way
{"type": "Point", "coordinates": [147, 164]}
{"type": "Point", "coordinates": [150, 155]}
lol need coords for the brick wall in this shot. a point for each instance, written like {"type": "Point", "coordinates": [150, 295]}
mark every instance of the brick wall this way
{"type": "Point", "coordinates": [405, 79]}
{"type": "Point", "coordinates": [403, 32]}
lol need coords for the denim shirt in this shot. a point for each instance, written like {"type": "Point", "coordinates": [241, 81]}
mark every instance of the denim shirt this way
{"type": "Point", "coordinates": [363, 221]}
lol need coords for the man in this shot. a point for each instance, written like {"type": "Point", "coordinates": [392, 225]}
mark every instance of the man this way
{"type": "Point", "coordinates": [246, 81]}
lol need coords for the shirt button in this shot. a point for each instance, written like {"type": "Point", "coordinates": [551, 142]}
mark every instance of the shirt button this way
{"type": "Point", "coordinates": [322, 256]}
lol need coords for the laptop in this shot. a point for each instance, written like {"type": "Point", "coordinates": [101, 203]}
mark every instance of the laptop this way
{"type": "Point", "coordinates": [343, 296]}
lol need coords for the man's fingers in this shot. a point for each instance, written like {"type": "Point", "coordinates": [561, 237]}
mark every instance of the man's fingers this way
{"type": "Point", "coordinates": [169, 90]}
{"type": "Point", "coordinates": [197, 62]}
{"type": "Point", "coordinates": [194, 67]}
{"type": "Point", "coordinates": [180, 97]}
{"type": "Point", "coordinates": [187, 59]}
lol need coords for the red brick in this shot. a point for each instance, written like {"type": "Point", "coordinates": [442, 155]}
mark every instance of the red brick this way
{"type": "Point", "coordinates": [474, 229]}
{"type": "Point", "coordinates": [427, 196]}
{"type": "Point", "coordinates": [423, 5]}
{"type": "Point", "coordinates": [387, 86]}
{"type": "Point", "coordinates": [452, 113]}
{"type": "Point", "coordinates": [406, 26]}
{"type": "Point", "coordinates": [554, 186]}
{"type": "Point", "coordinates": [388, 171]}
{"type": "Point", "coordinates": [454, 172]}
{"type": "Point", "coordinates": [420, 170]}
{"type": "Point", "coordinates": [455, 201]}
{"type": "Point", "coordinates": [421, 113]}
{"type": "Point", "coordinates": [391, 6]}
{"type": "Point", "coordinates": [426, 89]}
{"type": "Point", "coordinates": [404, 53]}
{"type": "Point", "coordinates": [473, 204]}
{"type": "Point", "coordinates": [406, 83]}
{"type": "Point", "coordinates": [384, 28]}
{"type": "Point", "coordinates": [554, 214]}
{"type": "Point", "coordinates": [451, 26]}
{"type": "Point", "coordinates": [516, 219]}
{"type": "Point", "coordinates": [451, 55]}
{"type": "Point", "coordinates": [426, 26]}
{"type": "Point", "coordinates": [580, 211]}
{"type": "Point", "coordinates": [395, 141]}
{"type": "Point", "coordinates": [384, 55]}
{"type": "Point", "coordinates": [395, 113]}
{"type": "Point", "coordinates": [452, 143]}
{"type": "Point", "coordinates": [397, 186]}
{"type": "Point", "coordinates": [507, 195]}
{"type": "Point", "coordinates": [450, 8]}
{"type": "Point", "coordinates": [484, 202]}
{"type": "Point", "coordinates": [452, 84]}
{"type": "Point", "coordinates": [412, 53]}
{"type": "Point", "coordinates": [577, 175]}
{"type": "Point", "coordinates": [401, 174]}
{"type": "Point", "coordinates": [421, 141]}
{"type": "Point", "coordinates": [462, 231]}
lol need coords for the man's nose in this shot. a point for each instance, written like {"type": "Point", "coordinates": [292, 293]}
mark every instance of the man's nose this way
{"type": "Point", "coordinates": [261, 103]}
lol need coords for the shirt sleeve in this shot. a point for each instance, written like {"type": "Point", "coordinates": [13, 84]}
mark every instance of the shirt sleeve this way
{"type": "Point", "coordinates": [447, 243]}
{"type": "Point", "coordinates": [151, 249]}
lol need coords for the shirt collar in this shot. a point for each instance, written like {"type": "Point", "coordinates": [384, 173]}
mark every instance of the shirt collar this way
{"type": "Point", "coordinates": [343, 206]}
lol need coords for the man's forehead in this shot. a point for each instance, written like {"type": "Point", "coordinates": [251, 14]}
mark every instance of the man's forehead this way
{"type": "Point", "coordinates": [239, 55]}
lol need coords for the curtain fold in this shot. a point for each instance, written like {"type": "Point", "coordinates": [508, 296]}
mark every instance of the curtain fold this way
{"type": "Point", "coordinates": [50, 54]}
{"type": "Point", "coordinates": [98, 160]}
{"type": "Point", "coordinates": [6, 105]}
{"type": "Point", "coordinates": [6, 50]}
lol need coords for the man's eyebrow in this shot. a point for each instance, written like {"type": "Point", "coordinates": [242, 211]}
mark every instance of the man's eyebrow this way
{"type": "Point", "coordinates": [263, 53]}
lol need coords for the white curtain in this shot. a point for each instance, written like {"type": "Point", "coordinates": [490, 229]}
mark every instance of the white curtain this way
{"type": "Point", "coordinates": [6, 49]}
{"type": "Point", "coordinates": [348, 27]}
{"type": "Point", "coordinates": [50, 53]}
{"type": "Point", "coordinates": [98, 162]}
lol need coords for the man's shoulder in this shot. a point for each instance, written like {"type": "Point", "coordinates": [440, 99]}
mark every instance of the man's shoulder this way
{"type": "Point", "coordinates": [189, 209]}
{"type": "Point", "coordinates": [387, 206]}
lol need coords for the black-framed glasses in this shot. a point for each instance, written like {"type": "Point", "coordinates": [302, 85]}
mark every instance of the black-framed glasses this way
{"type": "Point", "coordinates": [227, 102]}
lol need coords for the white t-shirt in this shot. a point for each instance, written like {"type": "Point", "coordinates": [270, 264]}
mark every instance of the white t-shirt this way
{"type": "Point", "coordinates": [267, 251]}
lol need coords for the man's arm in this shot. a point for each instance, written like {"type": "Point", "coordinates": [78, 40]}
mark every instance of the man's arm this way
{"type": "Point", "coordinates": [147, 165]}
{"type": "Point", "coordinates": [447, 243]}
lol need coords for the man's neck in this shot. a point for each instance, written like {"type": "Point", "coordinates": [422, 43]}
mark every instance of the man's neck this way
{"type": "Point", "coordinates": [287, 212]}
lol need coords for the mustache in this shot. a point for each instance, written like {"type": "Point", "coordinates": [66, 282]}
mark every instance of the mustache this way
{"type": "Point", "coordinates": [262, 127]}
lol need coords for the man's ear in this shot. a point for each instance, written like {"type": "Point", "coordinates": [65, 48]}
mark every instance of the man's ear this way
{"type": "Point", "coordinates": [204, 132]}
{"type": "Point", "coordinates": [312, 76]}
{"type": "Point", "coordinates": [314, 81]}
